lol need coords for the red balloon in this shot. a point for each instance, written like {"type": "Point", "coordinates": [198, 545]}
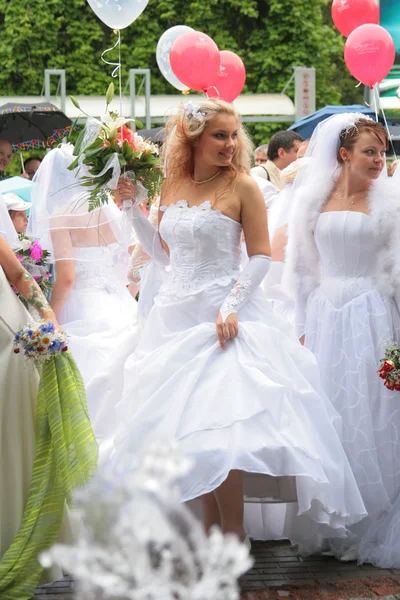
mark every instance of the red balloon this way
{"type": "Point", "coordinates": [195, 60]}
{"type": "Point", "coordinates": [230, 79]}
{"type": "Point", "coordinates": [369, 54]}
{"type": "Point", "coordinates": [347, 15]}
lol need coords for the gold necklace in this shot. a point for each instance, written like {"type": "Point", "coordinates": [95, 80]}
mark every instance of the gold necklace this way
{"type": "Point", "coordinates": [204, 180]}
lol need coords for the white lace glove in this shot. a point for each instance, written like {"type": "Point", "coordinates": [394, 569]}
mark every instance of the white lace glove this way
{"type": "Point", "coordinates": [146, 232]}
{"type": "Point", "coordinates": [249, 280]}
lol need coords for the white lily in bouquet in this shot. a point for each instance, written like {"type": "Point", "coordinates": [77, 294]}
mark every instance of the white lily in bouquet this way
{"type": "Point", "coordinates": [108, 148]}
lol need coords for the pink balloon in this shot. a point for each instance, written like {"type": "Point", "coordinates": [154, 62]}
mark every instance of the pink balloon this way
{"type": "Point", "coordinates": [347, 15]}
{"type": "Point", "coordinates": [230, 79]}
{"type": "Point", "coordinates": [369, 54]}
{"type": "Point", "coordinates": [195, 60]}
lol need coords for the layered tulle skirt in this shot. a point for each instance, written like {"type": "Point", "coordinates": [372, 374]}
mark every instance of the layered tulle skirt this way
{"type": "Point", "coordinates": [348, 334]}
{"type": "Point", "coordinates": [101, 323]}
{"type": "Point", "coordinates": [256, 407]}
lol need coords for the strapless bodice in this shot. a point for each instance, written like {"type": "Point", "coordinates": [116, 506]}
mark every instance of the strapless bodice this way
{"type": "Point", "coordinates": [347, 251]}
{"type": "Point", "coordinates": [204, 247]}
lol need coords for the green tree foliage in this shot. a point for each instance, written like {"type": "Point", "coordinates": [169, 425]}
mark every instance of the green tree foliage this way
{"type": "Point", "coordinates": [271, 36]}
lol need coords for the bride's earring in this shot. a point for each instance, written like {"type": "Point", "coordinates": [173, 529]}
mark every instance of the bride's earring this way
{"type": "Point", "coordinates": [347, 163]}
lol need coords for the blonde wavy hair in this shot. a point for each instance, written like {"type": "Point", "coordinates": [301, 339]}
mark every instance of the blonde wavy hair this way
{"type": "Point", "coordinates": [182, 133]}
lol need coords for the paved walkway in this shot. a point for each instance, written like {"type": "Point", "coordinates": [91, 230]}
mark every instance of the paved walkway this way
{"type": "Point", "coordinates": [278, 573]}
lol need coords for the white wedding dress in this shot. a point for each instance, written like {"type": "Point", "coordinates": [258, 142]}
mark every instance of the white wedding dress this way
{"type": "Point", "coordinates": [348, 324]}
{"type": "Point", "coordinates": [100, 318]}
{"type": "Point", "coordinates": [253, 407]}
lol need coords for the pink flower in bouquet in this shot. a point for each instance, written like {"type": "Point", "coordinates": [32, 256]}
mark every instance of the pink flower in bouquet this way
{"type": "Point", "coordinates": [20, 257]}
{"type": "Point", "coordinates": [36, 251]}
{"type": "Point", "coordinates": [48, 275]}
{"type": "Point", "coordinates": [125, 133]}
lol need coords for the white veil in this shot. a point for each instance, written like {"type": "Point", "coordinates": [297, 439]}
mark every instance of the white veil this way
{"type": "Point", "coordinates": [60, 216]}
{"type": "Point", "coordinates": [7, 229]}
{"type": "Point", "coordinates": [321, 166]}
{"type": "Point", "coordinates": [319, 170]}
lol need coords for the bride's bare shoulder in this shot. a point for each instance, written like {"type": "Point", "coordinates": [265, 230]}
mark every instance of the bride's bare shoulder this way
{"type": "Point", "coordinates": [247, 188]}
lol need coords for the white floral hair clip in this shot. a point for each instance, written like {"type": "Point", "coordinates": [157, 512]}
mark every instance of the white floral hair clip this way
{"type": "Point", "coordinates": [192, 110]}
{"type": "Point", "coordinates": [353, 119]}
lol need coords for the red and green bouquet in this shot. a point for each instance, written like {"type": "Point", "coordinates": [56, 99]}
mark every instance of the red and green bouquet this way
{"type": "Point", "coordinates": [390, 368]}
{"type": "Point", "coordinates": [108, 148]}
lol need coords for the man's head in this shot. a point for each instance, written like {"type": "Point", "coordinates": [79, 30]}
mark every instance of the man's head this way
{"type": "Point", "coordinates": [31, 165]}
{"type": "Point", "coordinates": [261, 154]}
{"type": "Point", "coordinates": [282, 148]}
{"type": "Point", "coordinates": [17, 210]}
{"type": "Point", "coordinates": [5, 154]}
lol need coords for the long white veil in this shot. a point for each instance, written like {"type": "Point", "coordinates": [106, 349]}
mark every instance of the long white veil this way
{"type": "Point", "coordinates": [60, 217]}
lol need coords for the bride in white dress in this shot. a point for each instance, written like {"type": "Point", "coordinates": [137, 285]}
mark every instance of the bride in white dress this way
{"type": "Point", "coordinates": [214, 370]}
{"type": "Point", "coordinates": [90, 295]}
{"type": "Point", "coordinates": [343, 251]}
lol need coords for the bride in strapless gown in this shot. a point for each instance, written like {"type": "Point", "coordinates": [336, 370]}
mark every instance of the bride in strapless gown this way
{"type": "Point", "coordinates": [343, 248]}
{"type": "Point", "coordinates": [253, 408]}
{"type": "Point", "coordinates": [215, 370]}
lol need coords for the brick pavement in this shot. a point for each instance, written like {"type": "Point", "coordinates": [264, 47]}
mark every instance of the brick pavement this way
{"type": "Point", "coordinates": [278, 573]}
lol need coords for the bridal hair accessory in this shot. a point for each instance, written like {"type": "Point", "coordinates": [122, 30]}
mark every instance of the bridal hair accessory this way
{"type": "Point", "coordinates": [354, 118]}
{"type": "Point", "coordinates": [138, 541]}
{"type": "Point", "coordinates": [193, 111]}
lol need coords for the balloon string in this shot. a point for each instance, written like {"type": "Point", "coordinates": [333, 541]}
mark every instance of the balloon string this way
{"type": "Point", "coordinates": [117, 65]}
{"type": "Point", "coordinates": [118, 68]}
{"type": "Point", "coordinates": [212, 87]}
{"type": "Point", "coordinates": [120, 76]}
{"type": "Point", "coordinates": [377, 103]}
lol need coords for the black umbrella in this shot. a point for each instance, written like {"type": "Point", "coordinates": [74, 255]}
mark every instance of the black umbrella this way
{"type": "Point", "coordinates": [156, 135]}
{"type": "Point", "coordinates": [28, 126]}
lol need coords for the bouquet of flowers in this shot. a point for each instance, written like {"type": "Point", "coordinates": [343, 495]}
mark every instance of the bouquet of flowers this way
{"type": "Point", "coordinates": [40, 341]}
{"type": "Point", "coordinates": [109, 148]}
{"type": "Point", "coordinates": [35, 260]}
{"type": "Point", "coordinates": [390, 368]}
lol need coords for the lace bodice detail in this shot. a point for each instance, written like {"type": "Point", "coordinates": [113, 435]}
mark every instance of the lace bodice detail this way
{"type": "Point", "coordinates": [347, 249]}
{"type": "Point", "coordinates": [100, 267]}
{"type": "Point", "coordinates": [204, 247]}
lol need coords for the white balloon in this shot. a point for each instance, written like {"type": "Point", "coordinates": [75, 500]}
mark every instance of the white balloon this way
{"type": "Point", "coordinates": [118, 14]}
{"type": "Point", "coordinates": [164, 46]}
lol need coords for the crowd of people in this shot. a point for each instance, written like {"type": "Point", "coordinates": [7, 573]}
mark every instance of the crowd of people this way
{"type": "Point", "coordinates": [267, 297]}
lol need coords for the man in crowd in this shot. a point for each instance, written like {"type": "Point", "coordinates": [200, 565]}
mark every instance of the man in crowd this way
{"type": "Point", "coordinates": [5, 156]}
{"type": "Point", "coordinates": [282, 151]}
{"type": "Point", "coordinates": [261, 155]}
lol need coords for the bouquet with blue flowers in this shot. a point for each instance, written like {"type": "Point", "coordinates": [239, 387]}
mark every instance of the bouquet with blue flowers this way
{"type": "Point", "coordinates": [65, 455]}
{"type": "Point", "coordinates": [40, 341]}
